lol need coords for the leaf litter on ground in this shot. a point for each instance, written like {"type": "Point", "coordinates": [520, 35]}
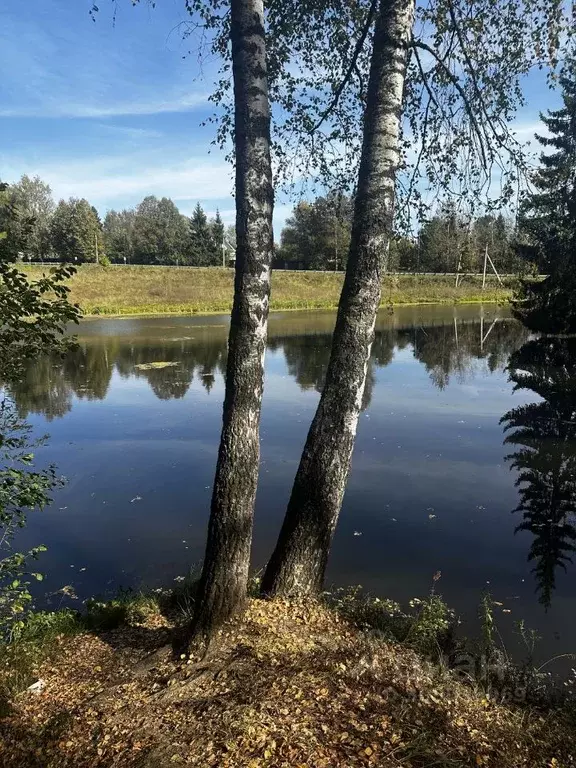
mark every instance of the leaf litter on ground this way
{"type": "Point", "coordinates": [288, 684]}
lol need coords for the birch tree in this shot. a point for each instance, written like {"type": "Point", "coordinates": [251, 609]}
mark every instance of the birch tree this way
{"type": "Point", "coordinates": [469, 97]}
{"type": "Point", "coordinates": [299, 560]}
{"type": "Point", "coordinates": [240, 40]}
{"type": "Point", "coordinates": [223, 583]}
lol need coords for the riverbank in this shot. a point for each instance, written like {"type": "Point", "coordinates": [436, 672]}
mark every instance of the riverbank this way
{"type": "Point", "coordinates": [171, 290]}
{"type": "Point", "coordinates": [288, 684]}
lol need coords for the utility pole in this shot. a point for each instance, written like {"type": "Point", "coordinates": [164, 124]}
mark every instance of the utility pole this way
{"type": "Point", "coordinates": [494, 268]}
{"type": "Point", "coordinates": [486, 260]}
{"type": "Point", "coordinates": [458, 268]}
{"type": "Point", "coordinates": [226, 246]}
{"type": "Point", "coordinates": [448, 249]}
{"type": "Point", "coordinates": [335, 244]}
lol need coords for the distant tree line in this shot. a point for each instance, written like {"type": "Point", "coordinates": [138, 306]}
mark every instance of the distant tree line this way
{"type": "Point", "coordinates": [317, 236]}
{"type": "Point", "coordinates": [154, 232]}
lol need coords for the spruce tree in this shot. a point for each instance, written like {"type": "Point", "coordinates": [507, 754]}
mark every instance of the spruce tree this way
{"type": "Point", "coordinates": [201, 246]}
{"type": "Point", "coordinates": [217, 239]}
{"type": "Point", "coordinates": [548, 221]}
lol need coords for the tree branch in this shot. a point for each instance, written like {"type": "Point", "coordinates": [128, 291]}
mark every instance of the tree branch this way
{"type": "Point", "coordinates": [357, 51]}
{"type": "Point", "coordinates": [409, 189]}
{"type": "Point", "coordinates": [424, 77]}
{"type": "Point", "coordinates": [467, 106]}
{"type": "Point", "coordinates": [361, 83]}
{"type": "Point", "coordinates": [471, 74]}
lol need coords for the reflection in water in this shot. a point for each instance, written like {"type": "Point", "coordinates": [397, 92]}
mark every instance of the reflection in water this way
{"type": "Point", "coordinates": [447, 348]}
{"type": "Point", "coordinates": [544, 436]}
{"type": "Point", "coordinates": [86, 372]}
{"type": "Point", "coordinates": [140, 439]}
{"type": "Point", "coordinates": [307, 361]}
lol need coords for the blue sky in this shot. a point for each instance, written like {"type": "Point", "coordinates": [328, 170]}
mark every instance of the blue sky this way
{"type": "Point", "coordinates": [113, 112]}
{"type": "Point", "coordinates": [108, 112]}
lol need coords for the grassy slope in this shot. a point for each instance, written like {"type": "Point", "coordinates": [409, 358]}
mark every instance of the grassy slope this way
{"type": "Point", "coordinates": [287, 685]}
{"type": "Point", "coordinates": [151, 290]}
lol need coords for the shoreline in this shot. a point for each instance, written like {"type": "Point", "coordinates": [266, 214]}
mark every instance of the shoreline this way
{"type": "Point", "coordinates": [191, 312]}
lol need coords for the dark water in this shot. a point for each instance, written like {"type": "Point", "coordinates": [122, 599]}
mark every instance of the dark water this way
{"type": "Point", "coordinates": [431, 488]}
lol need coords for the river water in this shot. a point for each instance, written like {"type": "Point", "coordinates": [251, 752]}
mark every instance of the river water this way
{"type": "Point", "coordinates": [431, 487]}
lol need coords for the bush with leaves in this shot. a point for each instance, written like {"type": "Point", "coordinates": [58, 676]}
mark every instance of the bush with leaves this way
{"type": "Point", "coordinates": [427, 625]}
{"type": "Point", "coordinates": [33, 317]}
{"type": "Point", "coordinates": [22, 488]}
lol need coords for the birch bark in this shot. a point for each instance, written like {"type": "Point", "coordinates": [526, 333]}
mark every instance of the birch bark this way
{"type": "Point", "coordinates": [222, 589]}
{"type": "Point", "coordinates": [299, 560]}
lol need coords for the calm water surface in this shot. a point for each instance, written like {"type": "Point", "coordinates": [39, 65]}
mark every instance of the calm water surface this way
{"type": "Point", "coordinates": [432, 486]}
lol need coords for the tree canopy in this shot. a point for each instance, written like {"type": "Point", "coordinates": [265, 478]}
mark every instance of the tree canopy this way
{"type": "Point", "coordinates": [463, 87]}
{"type": "Point", "coordinates": [28, 223]}
{"type": "Point", "coordinates": [76, 231]}
{"type": "Point", "coordinates": [154, 232]}
{"type": "Point", "coordinates": [317, 236]}
{"type": "Point", "coordinates": [548, 220]}
{"type": "Point", "coordinates": [159, 233]}
{"type": "Point", "coordinates": [547, 217]}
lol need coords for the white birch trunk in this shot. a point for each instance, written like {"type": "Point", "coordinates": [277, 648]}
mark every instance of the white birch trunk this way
{"type": "Point", "coordinates": [299, 561]}
{"type": "Point", "coordinates": [222, 589]}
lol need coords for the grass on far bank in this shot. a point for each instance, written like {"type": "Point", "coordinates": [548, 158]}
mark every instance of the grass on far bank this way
{"type": "Point", "coordinates": [289, 684]}
{"type": "Point", "coordinates": [119, 290]}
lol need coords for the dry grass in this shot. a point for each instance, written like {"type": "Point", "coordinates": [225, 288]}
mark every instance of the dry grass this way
{"type": "Point", "coordinates": [290, 684]}
{"type": "Point", "coordinates": [169, 290]}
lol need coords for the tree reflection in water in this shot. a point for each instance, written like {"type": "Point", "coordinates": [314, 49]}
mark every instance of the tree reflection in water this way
{"type": "Point", "coordinates": [543, 435]}
{"type": "Point", "coordinates": [445, 349]}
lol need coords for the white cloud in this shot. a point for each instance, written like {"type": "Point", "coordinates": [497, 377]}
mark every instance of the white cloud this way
{"type": "Point", "coordinates": [525, 130]}
{"type": "Point", "coordinates": [228, 215]}
{"type": "Point", "coordinates": [128, 132]}
{"type": "Point", "coordinates": [61, 108]}
{"type": "Point", "coordinates": [108, 181]}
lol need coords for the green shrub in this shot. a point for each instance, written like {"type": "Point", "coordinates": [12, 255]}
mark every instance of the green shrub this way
{"type": "Point", "coordinates": [22, 489]}
{"type": "Point", "coordinates": [426, 626]}
{"type": "Point", "coordinates": [182, 598]}
{"type": "Point", "coordinates": [128, 607]}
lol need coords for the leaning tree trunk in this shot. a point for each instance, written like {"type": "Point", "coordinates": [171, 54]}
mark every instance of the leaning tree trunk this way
{"type": "Point", "coordinates": [299, 561]}
{"type": "Point", "coordinates": [223, 584]}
